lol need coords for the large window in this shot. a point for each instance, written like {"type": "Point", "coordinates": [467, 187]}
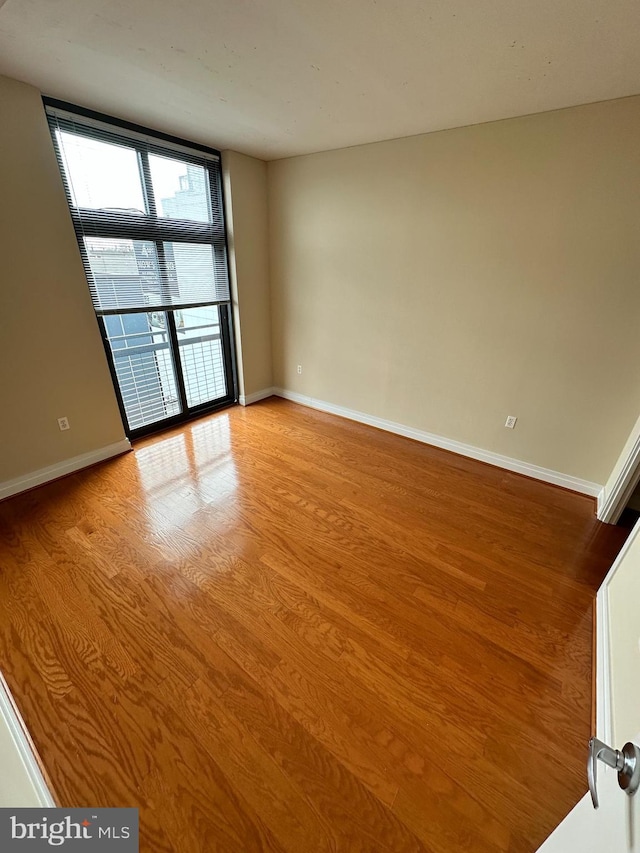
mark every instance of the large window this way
{"type": "Point", "coordinates": [149, 219]}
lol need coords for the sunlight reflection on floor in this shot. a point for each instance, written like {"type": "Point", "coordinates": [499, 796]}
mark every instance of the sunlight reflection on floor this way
{"type": "Point", "coordinates": [184, 474]}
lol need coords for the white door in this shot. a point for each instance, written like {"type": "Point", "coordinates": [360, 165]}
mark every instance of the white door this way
{"type": "Point", "coordinates": [615, 826]}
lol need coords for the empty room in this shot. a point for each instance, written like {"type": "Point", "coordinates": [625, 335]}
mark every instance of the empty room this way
{"type": "Point", "coordinates": [320, 447]}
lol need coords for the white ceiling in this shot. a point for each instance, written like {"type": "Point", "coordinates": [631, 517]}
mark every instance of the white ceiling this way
{"type": "Point", "coordinates": [274, 78]}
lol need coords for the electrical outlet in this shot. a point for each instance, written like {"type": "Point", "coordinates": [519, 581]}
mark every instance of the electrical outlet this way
{"type": "Point", "coordinates": [299, 368]}
{"type": "Point", "coordinates": [510, 421]}
{"type": "Point", "coordinates": [63, 423]}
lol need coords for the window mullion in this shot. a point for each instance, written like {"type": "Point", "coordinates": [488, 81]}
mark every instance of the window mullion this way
{"type": "Point", "coordinates": [165, 288]}
{"type": "Point", "coordinates": [147, 184]}
{"type": "Point", "coordinates": [175, 350]}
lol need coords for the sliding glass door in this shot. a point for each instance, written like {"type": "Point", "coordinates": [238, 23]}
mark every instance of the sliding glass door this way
{"type": "Point", "coordinates": [149, 220]}
{"type": "Point", "coordinates": [168, 363]}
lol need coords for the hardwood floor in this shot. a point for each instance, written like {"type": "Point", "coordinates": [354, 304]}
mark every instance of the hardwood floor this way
{"type": "Point", "coordinates": [278, 630]}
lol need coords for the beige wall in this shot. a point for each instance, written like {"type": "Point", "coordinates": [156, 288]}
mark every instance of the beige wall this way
{"type": "Point", "coordinates": [441, 281]}
{"type": "Point", "coordinates": [51, 358]}
{"type": "Point", "coordinates": [446, 281]}
{"type": "Point", "coordinates": [245, 185]}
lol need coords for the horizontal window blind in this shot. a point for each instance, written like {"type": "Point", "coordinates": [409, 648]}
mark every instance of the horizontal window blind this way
{"type": "Point", "coordinates": [149, 218]}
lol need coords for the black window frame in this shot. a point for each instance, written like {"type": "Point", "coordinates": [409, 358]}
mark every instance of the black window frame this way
{"type": "Point", "coordinates": [89, 222]}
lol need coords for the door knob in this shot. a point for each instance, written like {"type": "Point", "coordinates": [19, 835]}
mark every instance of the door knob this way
{"type": "Point", "coordinates": [625, 761]}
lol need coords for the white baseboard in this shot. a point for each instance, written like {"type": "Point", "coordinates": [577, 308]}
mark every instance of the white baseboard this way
{"type": "Point", "coordinates": [248, 399]}
{"type": "Point", "coordinates": [60, 469]}
{"type": "Point", "coordinates": [601, 504]}
{"type": "Point", "coordinates": [611, 502]}
{"type": "Point", "coordinates": [545, 474]}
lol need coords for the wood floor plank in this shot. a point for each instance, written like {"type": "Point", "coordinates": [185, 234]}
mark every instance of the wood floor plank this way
{"type": "Point", "coordinates": [255, 772]}
{"type": "Point", "coordinates": [355, 817]}
{"type": "Point", "coordinates": [277, 630]}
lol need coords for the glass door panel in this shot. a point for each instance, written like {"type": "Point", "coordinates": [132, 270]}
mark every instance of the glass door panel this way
{"type": "Point", "coordinates": [144, 368]}
{"type": "Point", "coordinates": [201, 354]}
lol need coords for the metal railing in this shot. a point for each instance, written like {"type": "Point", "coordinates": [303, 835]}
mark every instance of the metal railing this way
{"type": "Point", "coordinates": [146, 371]}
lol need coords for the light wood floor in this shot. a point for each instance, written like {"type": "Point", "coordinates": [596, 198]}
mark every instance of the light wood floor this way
{"type": "Point", "coordinates": [278, 630]}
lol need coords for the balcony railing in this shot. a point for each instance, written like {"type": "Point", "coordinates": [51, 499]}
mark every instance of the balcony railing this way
{"type": "Point", "coordinates": [144, 366]}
